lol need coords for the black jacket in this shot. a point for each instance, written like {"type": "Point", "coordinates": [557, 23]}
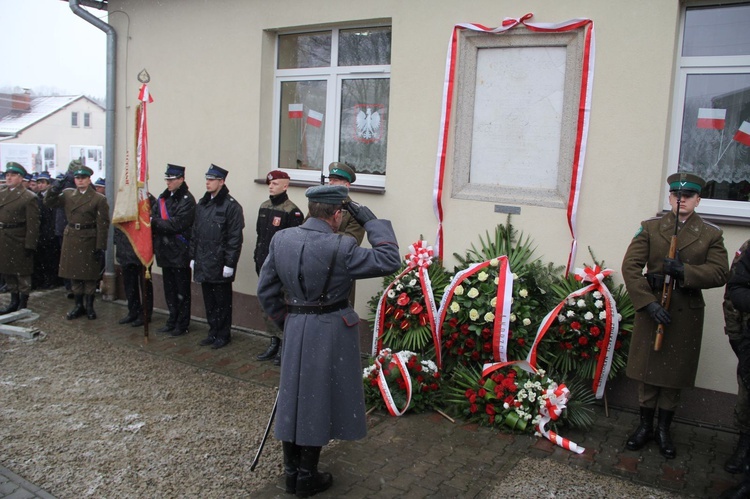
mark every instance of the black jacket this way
{"type": "Point", "coordinates": [738, 287]}
{"type": "Point", "coordinates": [275, 214]}
{"type": "Point", "coordinates": [172, 235]}
{"type": "Point", "coordinates": [217, 237]}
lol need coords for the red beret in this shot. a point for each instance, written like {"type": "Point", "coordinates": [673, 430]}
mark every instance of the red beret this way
{"type": "Point", "coordinates": [275, 175]}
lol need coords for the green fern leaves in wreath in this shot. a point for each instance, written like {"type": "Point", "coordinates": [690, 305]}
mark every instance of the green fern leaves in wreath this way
{"type": "Point", "coordinates": [505, 242]}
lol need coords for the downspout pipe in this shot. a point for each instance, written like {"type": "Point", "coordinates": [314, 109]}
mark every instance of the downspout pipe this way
{"type": "Point", "coordinates": [108, 285]}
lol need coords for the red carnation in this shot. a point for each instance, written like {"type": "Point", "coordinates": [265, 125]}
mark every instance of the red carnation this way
{"type": "Point", "coordinates": [573, 325]}
{"type": "Point", "coordinates": [403, 299]}
{"type": "Point", "coordinates": [473, 408]}
{"type": "Point", "coordinates": [595, 331]}
{"type": "Point", "coordinates": [583, 340]}
{"type": "Point", "coordinates": [470, 343]}
{"type": "Point", "coordinates": [521, 341]}
{"type": "Point", "coordinates": [490, 409]}
{"type": "Point", "coordinates": [434, 387]}
{"type": "Point", "coordinates": [482, 392]}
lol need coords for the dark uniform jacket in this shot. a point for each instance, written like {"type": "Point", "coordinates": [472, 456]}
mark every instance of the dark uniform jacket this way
{"type": "Point", "coordinates": [86, 232]}
{"type": "Point", "coordinates": [47, 237]}
{"type": "Point", "coordinates": [172, 235]}
{"type": "Point", "coordinates": [700, 247]}
{"type": "Point", "coordinates": [216, 240]}
{"type": "Point", "coordinates": [19, 215]}
{"type": "Point", "coordinates": [321, 394]}
{"type": "Point", "coordinates": [275, 214]}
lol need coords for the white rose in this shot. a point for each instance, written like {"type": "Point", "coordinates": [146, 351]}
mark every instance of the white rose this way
{"type": "Point", "coordinates": [597, 294]}
{"type": "Point", "coordinates": [459, 290]}
{"type": "Point", "coordinates": [581, 303]}
{"type": "Point", "coordinates": [515, 276]}
{"type": "Point", "coordinates": [527, 322]}
{"type": "Point", "coordinates": [512, 317]}
{"type": "Point", "coordinates": [497, 281]}
{"type": "Point", "coordinates": [494, 262]}
{"type": "Point", "coordinates": [523, 293]}
{"type": "Point", "coordinates": [455, 307]}
{"type": "Point", "coordinates": [489, 317]}
{"type": "Point", "coordinates": [473, 314]}
{"type": "Point", "coordinates": [570, 313]}
{"type": "Point", "coordinates": [603, 315]}
{"type": "Point", "coordinates": [483, 276]}
{"type": "Point", "coordinates": [473, 293]}
{"type": "Point", "coordinates": [598, 304]}
{"type": "Point", "coordinates": [588, 316]}
{"type": "Point", "coordinates": [493, 301]}
{"type": "Point", "coordinates": [561, 318]}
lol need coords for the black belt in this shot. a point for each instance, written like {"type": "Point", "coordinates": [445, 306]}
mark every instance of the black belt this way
{"type": "Point", "coordinates": [317, 309]}
{"type": "Point", "coordinates": [12, 226]}
{"type": "Point", "coordinates": [82, 226]}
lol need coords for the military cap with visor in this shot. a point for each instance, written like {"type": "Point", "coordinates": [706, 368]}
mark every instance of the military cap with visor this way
{"type": "Point", "coordinates": [342, 171]}
{"type": "Point", "coordinates": [174, 171]}
{"type": "Point", "coordinates": [685, 182]}
{"type": "Point", "coordinates": [82, 171]}
{"type": "Point", "coordinates": [216, 172]}
{"type": "Point", "coordinates": [13, 167]}
{"type": "Point", "coordinates": [327, 194]}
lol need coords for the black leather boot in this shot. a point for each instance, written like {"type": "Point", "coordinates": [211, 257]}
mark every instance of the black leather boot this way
{"type": "Point", "coordinates": [272, 349]}
{"type": "Point", "coordinates": [291, 465]}
{"type": "Point", "coordinates": [23, 301]}
{"type": "Point", "coordinates": [277, 358]}
{"type": "Point", "coordinates": [645, 431]}
{"type": "Point", "coordinates": [662, 436]}
{"type": "Point", "coordinates": [13, 305]}
{"type": "Point", "coordinates": [309, 480]}
{"type": "Point", "coordinates": [741, 491]}
{"type": "Point", "coordinates": [77, 309]}
{"type": "Point", "coordinates": [90, 312]}
{"type": "Point", "coordinates": [736, 463]}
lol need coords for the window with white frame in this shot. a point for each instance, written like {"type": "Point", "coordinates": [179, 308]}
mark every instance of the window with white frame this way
{"type": "Point", "coordinates": [711, 125]}
{"type": "Point", "coordinates": [332, 90]}
{"type": "Point", "coordinates": [74, 119]}
{"type": "Point", "coordinates": [87, 120]}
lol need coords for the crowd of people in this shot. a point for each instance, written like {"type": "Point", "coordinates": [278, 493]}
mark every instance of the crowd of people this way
{"type": "Point", "coordinates": [56, 231]}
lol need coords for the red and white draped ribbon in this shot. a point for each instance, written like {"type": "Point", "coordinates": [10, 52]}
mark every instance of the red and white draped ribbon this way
{"type": "Point", "coordinates": [385, 391]}
{"type": "Point", "coordinates": [555, 400]}
{"type": "Point", "coordinates": [584, 111]}
{"type": "Point", "coordinates": [596, 277]}
{"type": "Point", "coordinates": [419, 257]}
{"type": "Point", "coordinates": [501, 325]}
{"type": "Point", "coordinates": [141, 154]}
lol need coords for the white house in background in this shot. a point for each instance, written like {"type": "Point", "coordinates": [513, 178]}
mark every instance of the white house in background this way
{"type": "Point", "coordinates": [46, 133]}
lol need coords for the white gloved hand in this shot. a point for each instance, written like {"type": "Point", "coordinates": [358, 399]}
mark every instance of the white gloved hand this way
{"type": "Point", "coordinates": [228, 271]}
{"type": "Point", "coordinates": [192, 264]}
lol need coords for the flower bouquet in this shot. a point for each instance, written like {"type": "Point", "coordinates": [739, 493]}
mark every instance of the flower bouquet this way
{"type": "Point", "coordinates": [401, 381]}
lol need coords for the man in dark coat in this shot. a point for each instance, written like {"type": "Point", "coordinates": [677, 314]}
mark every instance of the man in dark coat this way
{"type": "Point", "coordinates": [172, 218]}
{"type": "Point", "coordinates": [303, 286]}
{"type": "Point", "coordinates": [84, 238]}
{"type": "Point", "coordinates": [47, 257]}
{"type": "Point", "coordinates": [19, 232]}
{"type": "Point", "coordinates": [700, 263]}
{"type": "Point", "coordinates": [66, 181]}
{"type": "Point", "coordinates": [215, 252]}
{"type": "Point", "coordinates": [276, 213]}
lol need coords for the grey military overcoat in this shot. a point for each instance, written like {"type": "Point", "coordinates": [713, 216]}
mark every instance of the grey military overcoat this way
{"type": "Point", "coordinates": [321, 395]}
{"type": "Point", "coordinates": [88, 223]}
{"type": "Point", "coordinates": [701, 248]}
{"type": "Point", "coordinates": [19, 214]}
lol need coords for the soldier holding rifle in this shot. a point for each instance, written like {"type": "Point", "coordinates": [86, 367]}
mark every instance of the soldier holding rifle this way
{"type": "Point", "coordinates": [700, 263]}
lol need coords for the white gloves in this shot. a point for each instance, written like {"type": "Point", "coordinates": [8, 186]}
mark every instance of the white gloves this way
{"type": "Point", "coordinates": [192, 264]}
{"type": "Point", "coordinates": [228, 271]}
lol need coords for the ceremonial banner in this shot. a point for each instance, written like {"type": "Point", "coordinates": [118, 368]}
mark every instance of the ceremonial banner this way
{"type": "Point", "coordinates": [132, 207]}
{"type": "Point", "coordinates": [581, 127]}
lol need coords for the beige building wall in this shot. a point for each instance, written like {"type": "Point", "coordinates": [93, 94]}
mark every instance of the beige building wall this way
{"type": "Point", "coordinates": [212, 81]}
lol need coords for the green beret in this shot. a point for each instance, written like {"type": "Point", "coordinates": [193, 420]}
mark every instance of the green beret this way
{"type": "Point", "coordinates": [686, 182]}
{"type": "Point", "coordinates": [14, 167]}
{"type": "Point", "coordinates": [328, 194]}
{"type": "Point", "coordinates": [343, 171]}
{"type": "Point", "coordinates": [83, 171]}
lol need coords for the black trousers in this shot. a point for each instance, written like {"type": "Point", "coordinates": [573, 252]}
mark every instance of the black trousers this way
{"type": "Point", "coordinates": [217, 298]}
{"type": "Point", "coordinates": [131, 279]}
{"type": "Point", "coordinates": [177, 295]}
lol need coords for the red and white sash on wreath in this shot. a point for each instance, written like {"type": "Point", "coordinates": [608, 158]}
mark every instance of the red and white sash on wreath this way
{"type": "Point", "coordinates": [385, 391]}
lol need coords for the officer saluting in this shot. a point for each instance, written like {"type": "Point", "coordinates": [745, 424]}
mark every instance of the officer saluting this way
{"type": "Point", "coordinates": [303, 286]}
{"type": "Point", "coordinates": [700, 263]}
{"type": "Point", "coordinates": [84, 238]}
{"type": "Point", "coordinates": [19, 231]}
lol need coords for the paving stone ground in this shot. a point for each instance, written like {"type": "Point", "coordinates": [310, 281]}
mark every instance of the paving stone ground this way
{"type": "Point", "coordinates": [426, 455]}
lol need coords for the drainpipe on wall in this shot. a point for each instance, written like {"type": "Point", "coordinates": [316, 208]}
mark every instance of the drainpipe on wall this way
{"type": "Point", "coordinates": [108, 284]}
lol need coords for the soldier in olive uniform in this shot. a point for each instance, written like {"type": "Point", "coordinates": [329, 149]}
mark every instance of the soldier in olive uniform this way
{"type": "Point", "coordinates": [84, 238]}
{"type": "Point", "coordinates": [304, 284]}
{"type": "Point", "coordinates": [276, 213]}
{"type": "Point", "coordinates": [19, 232]}
{"type": "Point", "coordinates": [700, 263]}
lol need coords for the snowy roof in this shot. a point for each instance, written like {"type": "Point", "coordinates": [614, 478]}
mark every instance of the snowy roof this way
{"type": "Point", "coordinates": [41, 108]}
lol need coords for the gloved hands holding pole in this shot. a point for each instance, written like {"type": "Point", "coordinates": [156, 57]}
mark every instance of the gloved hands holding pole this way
{"type": "Point", "coordinates": [360, 213]}
{"type": "Point", "coordinates": [658, 313]}
{"type": "Point", "coordinates": [675, 268]}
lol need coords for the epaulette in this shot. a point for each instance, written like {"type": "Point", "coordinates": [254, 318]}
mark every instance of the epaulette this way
{"type": "Point", "coordinates": [712, 225]}
{"type": "Point", "coordinates": [69, 189]}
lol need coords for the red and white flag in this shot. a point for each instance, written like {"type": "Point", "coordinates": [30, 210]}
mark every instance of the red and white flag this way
{"type": "Point", "coordinates": [296, 111]}
{"type": "Point", "coordinates": [314, 118]}
{"type": "Point", "coordinates": [743, 134]}
{"type": "Point", "coordinates": [711, 118]}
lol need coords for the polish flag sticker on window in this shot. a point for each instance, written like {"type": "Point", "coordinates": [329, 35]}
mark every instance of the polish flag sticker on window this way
{"type": "Point", "coordinates": [314, 118]}
{"type": "Point", "coordinates": [367, 122]}
{"type": "Point", "coordinates": [711, 118]}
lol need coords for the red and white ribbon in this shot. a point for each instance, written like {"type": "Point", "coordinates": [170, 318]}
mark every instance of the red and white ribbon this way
{"type": "Point", "coordinates": [419, 257]}
{"type": "Point", "coordinates": [501, 325]}
{"type": "Point", "coordinates": [584, 107]}
{"type": "Point", "coordinates": [595, 276]}
{"type": "Point", "coordinates": [555, 400]}
{"type": "Point", "coordinates": [385, 390]}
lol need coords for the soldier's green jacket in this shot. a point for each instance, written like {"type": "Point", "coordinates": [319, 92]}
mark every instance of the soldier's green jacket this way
{"type": "Point", "coordinates": [88, 209]}
{"type": "Point", "coordinates": [20, 208]}
{"type": "Point", "coordinates": [700, 247]}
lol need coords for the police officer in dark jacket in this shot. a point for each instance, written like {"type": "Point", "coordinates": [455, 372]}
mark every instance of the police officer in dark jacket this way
{"type": "Point", "coordinates": [276, 213]}
{"type": "Point", "coordinates": [172, 218]}
{"type": "Point", "coordinates": [215, 252]}
{"type": "Point", "coordinates": [47, 257]}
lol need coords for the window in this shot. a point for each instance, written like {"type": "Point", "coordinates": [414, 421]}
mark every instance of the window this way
{"type": "Point", "coordinates": [332, 93]}
{"type": "Point", "coordinates": [711, 126]}
{"type": "Point", "coordinates": [74, 119]}
{"type": "Point", "coordinates": [87, 120]}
